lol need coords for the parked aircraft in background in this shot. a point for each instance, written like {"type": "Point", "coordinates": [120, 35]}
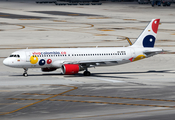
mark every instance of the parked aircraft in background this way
{"type": "Point", "coordinates": [73, 60]}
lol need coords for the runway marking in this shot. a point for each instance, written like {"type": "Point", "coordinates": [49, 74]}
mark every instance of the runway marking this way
{"type": "Point", "coordinates": [61, 94]}
{"type": "Point", "coordinates": [41, 100]}
{"type": "Point", "coordinates": [22, 26]}
{"type": "Point", "coordinates": [12, 103]}
{"type": "Point", "coordinates": [92, 102]}
{"type": "Point", "coordinates": [104, 97]}
{"type": "Point", "coordinates": [101, 34]}
{"type": "Point", "coordinates": [90, 25]}
{"type": "Point", "coordinates": [110, 114]}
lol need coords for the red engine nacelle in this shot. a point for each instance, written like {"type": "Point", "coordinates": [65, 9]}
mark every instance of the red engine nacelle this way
{"type": "Point", "coordinates": [70, 69]}
{"type": "Point", "coordinates": [48, 69]}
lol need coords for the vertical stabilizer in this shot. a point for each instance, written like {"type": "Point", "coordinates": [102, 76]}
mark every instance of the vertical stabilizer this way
{"type": "Point", "coordinates": [148, 36]}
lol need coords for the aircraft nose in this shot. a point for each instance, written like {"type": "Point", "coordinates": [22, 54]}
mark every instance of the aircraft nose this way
{"type": "Point", "coordinates": [6, 62]}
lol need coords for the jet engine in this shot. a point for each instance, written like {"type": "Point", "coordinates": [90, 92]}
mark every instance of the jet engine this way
{"type": "Point", "coordinates": [70, 69]}
{"type": "Point", "coordinates": [48, 69]}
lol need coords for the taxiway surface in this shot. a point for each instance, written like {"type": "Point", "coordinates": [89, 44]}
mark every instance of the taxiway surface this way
{"type": "Point", "coordinates": [139, 90]}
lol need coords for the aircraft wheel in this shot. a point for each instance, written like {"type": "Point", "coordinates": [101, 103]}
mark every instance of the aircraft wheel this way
{"type": "Point", "coordinates": [25, 74]}
{"type": "Point", "coordinates": [86, 73]}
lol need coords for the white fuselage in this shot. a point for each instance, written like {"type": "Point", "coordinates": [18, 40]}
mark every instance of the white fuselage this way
{"type": "Point", "coordinates": [47, 58]}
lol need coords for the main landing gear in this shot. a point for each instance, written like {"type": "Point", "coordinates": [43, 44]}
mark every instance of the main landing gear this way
{"type": "Point", "coordinates": [86, 73]}
{"type": "Point", "coordinates": [25, 72]}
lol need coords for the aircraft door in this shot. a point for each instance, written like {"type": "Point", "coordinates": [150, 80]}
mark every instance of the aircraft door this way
{"type": "Point", "coordinates": [28, 55]}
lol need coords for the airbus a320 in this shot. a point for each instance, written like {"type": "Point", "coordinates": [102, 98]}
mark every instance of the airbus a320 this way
{"type": "Point", "coordinates": [73, 60]}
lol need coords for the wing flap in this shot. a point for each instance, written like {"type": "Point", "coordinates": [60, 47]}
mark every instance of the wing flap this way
{"type": "Point", "coordinates": [92, 62]}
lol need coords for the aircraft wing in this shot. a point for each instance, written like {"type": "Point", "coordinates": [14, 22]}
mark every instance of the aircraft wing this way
{"type": "Point", "coordinates": [91, 62]}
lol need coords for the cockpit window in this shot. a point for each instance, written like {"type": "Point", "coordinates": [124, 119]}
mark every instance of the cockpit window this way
{"type": "Point", "coordinates": [18, 56]}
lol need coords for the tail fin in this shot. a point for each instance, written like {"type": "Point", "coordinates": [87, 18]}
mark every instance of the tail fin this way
{"type": "Point", "coordinates": [148, 36]}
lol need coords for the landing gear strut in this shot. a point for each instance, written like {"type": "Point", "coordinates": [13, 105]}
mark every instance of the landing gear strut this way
{"type": "Point", "coordinates": [25, 72]}
{"type": "Point", "coordinates": [86, 73]}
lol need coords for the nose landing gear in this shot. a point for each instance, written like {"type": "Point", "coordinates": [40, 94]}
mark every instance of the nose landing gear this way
{"type": "Point", "coordinates": [25, 72]}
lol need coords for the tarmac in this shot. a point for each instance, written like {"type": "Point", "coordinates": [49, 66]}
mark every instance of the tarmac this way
{"type": "Point", "coordinates": [139, 90]}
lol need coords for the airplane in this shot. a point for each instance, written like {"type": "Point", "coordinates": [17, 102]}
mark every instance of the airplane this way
{"type": "Point", "coordinates": [73, 60]}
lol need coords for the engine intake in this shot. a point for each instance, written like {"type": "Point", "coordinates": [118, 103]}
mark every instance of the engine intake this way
{"type": "Point", "coordinates": [70, 69]}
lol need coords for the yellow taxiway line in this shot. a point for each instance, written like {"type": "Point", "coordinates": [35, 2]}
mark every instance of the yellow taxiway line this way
{"type": "Point", "coordinates": [104, 97]}
{"type": "Point", "coordinates": [40, 100]}
{"type": "Point", "coordinates": [90, 102]}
